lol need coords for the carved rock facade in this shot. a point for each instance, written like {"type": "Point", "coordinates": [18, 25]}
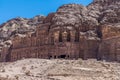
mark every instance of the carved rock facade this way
{"type": "Point", "coordinates": [65, 42]}
{"type": "Point", "coordinates": [73, 32]}
{"type": "Point", "coordinates": [54, 43]}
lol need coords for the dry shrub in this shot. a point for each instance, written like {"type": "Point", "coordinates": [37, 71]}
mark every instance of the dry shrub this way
{"type": "Point", "coordinates": [27, 73]}
{"type": "Point", "coordinates": [3, 70]}
{"type": "Point", "coordinates": [16, 77]}
{"type": "Point", "coordinates": [65, 75]}
{"type": "Point", "coordinates": [24, 68]}
{"type": "Point", "coordinates": [32, 67]}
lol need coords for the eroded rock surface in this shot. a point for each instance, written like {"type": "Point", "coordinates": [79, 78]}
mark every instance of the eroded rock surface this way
{"type": "Point", "coordinates": [73, 31]}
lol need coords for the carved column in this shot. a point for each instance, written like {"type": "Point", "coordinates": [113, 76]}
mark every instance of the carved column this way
{"type": "Point", "coordinates": [56, 36]}
{"type": "Point", "coordinates": [52, 39]}
{"type": "Point", "coordinates": [72, 36]}
{"type": "Point", "coordinates": [64, 36]}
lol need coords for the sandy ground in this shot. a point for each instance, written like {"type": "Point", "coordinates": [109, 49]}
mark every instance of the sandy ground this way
{"type": "Point", "coordinates": [42, 69]}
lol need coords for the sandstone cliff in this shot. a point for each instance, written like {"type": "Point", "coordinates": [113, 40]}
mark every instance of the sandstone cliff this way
{"type": "Point", "coordinates": [99, 20]}
{"type": "Point", "coordinates": [17, 26]}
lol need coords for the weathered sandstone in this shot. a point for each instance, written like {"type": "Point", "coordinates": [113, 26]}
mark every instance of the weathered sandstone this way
{"type": "Point", "coordinates": [73, 32]}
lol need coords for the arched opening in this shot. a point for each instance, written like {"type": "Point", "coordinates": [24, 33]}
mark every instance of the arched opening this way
{"type": "Point", "coordinates": [68, 36]}
{"type": "Point", "coordinates": [60, 37]}
{"type": "Point", "coordinates": [76, 36]}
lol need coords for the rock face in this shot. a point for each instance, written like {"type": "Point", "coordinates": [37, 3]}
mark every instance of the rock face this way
{"type": "Point", "coordinates": [74, 31]}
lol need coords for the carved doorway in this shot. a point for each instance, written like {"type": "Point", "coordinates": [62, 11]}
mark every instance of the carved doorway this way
{"type": "Point", "coordinates": [62, 56]}
{"type": "Point", "coordinates": [7, 57]}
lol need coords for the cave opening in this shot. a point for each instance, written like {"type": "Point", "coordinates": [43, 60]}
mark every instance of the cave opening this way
{"type": "Point", "coordinates": [50, 57]}
{"type": "Point", "coordinates": [62, 56]}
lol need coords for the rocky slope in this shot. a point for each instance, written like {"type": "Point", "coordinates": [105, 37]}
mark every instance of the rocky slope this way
{"type": "Point", "coordinates": [41, 69]}
{"type": "Point", "coordinates": [17, 26]}
{"type": "Point", "coordinates": [89, 17]}
{"type": "Point", "coordinates": [106, 11]}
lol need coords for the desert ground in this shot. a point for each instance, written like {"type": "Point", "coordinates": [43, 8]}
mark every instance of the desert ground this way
{"type": "Point", "coordinates": [59, 69]}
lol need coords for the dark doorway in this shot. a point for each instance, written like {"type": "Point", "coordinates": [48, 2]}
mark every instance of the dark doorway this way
{"type": "Point", "coordinates": [60, 37]}
{"type": "Point", "coordinates": [68, 36]}
{"type": "Point", "coordinates": [76, 36]}
{"type": "Point", "coordinates": [7, 57]}
{"type": "Point", "coordinates": [50, 57]}
{"type": "Point", "coordinates": [62, 56]}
